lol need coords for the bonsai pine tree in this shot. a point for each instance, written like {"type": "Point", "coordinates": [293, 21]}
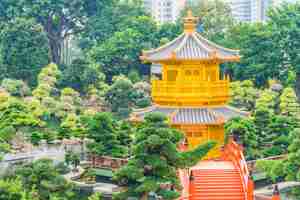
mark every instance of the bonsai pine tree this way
{"type": "Point", "coordinates": [245, 131]}
{"type": "Point", "coordinates": [289, 105]}
{"type": "Point", "coordinates": [101, 129]}
{"type": "Point", "coordinates": [292, 165]}
{"type": "Point", "coordinates": [155, 161]}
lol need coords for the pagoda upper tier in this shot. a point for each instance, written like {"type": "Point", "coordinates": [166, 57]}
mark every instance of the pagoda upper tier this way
{"type": "Point", "coordinates": [191, 46]}
{"type": "Point", "coordinates": [190, 72]}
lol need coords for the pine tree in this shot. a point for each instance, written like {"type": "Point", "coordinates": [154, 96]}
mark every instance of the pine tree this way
{"type": "Point", "coordinates": [292, 166]}
{"type": "Point", "coordinates": [289, 105]}
{"type": "Point", "coordinates": [155, 160]}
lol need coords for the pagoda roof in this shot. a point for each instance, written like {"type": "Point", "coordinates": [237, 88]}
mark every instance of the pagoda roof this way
{"type": "Point", "coordinates": [191, 46]}
{"type": "Point", "coordinates": [192, 115]}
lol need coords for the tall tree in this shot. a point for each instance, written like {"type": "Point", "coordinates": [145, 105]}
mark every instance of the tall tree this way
{"type": "Point", "coordinates": [60, 19]}
{"type": "Point", "coordinates": [102, 25]}
{"type": "Point", "coordinates": [284, 21]}
{"type": "Point", "coordinates": [269, 50]}
{"type": "Point", "coordinates": [81, 74]}
{"type": "Point", "coordinates": [258, 62]}
{"type": "Point", "coordinates": [23, 50]}
{"type": "Point", "coordinates": [215, 18]}
{"type": "Point", "coordinates": [120, 53]}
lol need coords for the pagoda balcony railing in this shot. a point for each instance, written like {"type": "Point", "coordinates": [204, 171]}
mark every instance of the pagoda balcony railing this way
{"type": "Point", "coordinates": [191, 93]}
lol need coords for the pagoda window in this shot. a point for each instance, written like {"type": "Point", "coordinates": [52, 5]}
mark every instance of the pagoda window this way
{"type": "Point", "coordinates": [188, 73]}
{"type": "Point", "coordinates": [172, 75]}
{"type": "Point", "coordinates": [198, 134]}
{"type": "Point", "coordinates": [196, 73]}
{"type": "Point", "coordinates": [213, 75]}
{"type": "Point", "coordinates": [189, 134]}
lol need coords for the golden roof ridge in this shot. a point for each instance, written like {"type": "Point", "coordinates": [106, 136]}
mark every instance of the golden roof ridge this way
{"type": "Point", "coordinates": [164, 46]}
{"type": "Point", "coordinates": [215, 44]}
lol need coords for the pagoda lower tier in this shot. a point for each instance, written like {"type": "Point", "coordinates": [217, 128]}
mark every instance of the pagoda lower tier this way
{"type": "Point", "coordinates": [199, 124]}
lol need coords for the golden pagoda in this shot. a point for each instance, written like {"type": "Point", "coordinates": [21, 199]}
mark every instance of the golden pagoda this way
{"type": "Point", "coordinates": [191, 90]}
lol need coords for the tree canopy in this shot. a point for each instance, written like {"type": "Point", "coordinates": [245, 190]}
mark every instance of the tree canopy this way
{"type": "Point", "coordinates": [23, 50]}
{"type": "Point", "coordinates": [155, 160]}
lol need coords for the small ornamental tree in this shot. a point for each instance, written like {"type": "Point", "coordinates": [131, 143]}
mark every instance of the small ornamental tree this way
{"type": "Point", "coordinates": [15, 87]}
{"type": "Point", "coordinates": [289, 105]}
{"type": "Point", "coordinates": [280, 128]}
{"type": "Point", "coordinates": [120, 96]}
{"type": "Point", "coordinates": [69, 102]}
{"type": "Point", "coordinates": [288, 168]}
{"type": "Point", "coordinates": [14, 115]}
{"type": "Point", "coordinates": [155, 161]}
{"type": "Point", "coordinates": [47, 80]}
{"type": "Point", "coordinates": [71, 126]}
{"type": "Point", "coordinates": [245, 131]}
{"type": "Point", "coordinates": [14, 190]}
{"type": "Point", "coordinates": [142, 94]}
{"type": "Point", "coordinates": [243, 94]}
{"type": "Point", "coordinates": [43, 176]}
{"type": "Point", "coordinates": [292, 166]}
{"type": "Point", "coordinates": [100, 128]}
{"type": "Point", "coordinates": [267, 100]}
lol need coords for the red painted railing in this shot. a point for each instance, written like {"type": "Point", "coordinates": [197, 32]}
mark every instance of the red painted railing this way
{"type": "Point", "coordinates": [234, 153]}
{"type": "Point", "coordinates": [184, 176]}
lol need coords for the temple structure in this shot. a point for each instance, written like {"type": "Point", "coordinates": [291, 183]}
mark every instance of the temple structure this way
{"type": "Point", "coordinates": [191, 90]}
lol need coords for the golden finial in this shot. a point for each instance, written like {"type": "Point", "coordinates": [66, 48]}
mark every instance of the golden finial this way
{"type": "Point", "coordinates": [190, 22]}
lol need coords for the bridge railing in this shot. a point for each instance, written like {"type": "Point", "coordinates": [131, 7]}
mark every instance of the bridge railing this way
{"type": "Point", "coordinates": [184, 176]}
{"type": "Point", "coordinates": [234, 152]}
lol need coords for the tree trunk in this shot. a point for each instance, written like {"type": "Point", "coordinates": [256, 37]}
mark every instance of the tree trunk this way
{"type": "Point", "coordinates": [145, 196]}
{"type": "Point", "coordinates": [55, 47]}
{"type": "Point", "coordinates": [298, 85]}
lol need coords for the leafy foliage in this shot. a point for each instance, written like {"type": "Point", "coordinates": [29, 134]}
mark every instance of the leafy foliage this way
{"type": "Point", "coordinates": [289, 105]}
{"type": "Point", "coordinates": [43, 176]}
{"type": "Point", "coordinates": [15, 87]}
{"type": "Point", "coordinates": [96, 196]}
{"type": "Point", "coordinates": [120, 96]}
{"type": "Point", "coordinates": [215, 18]}
{"type": "Point", "coordinates": [80, 75]}
{"type": "Point", "coordinates": [245, 131]}
{"type": "Point", "coordinates": [243, 95]}
{"type": "Point", "coordinates": [23, 50]}
{"type": "Point", "coordinates": [102, 130]}
{"type": "Point", "coordinates": [292, 163]}
{"type": "Point", "coordinates": [155, 160]}
{"type": "Point", "coordinates": [13, 190]}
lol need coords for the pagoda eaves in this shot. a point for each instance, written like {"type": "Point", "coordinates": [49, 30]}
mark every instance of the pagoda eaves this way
{"type": "Point", "coordinates": [191, 47]}
{"type": "Point", "coordinates": [191, 89]}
